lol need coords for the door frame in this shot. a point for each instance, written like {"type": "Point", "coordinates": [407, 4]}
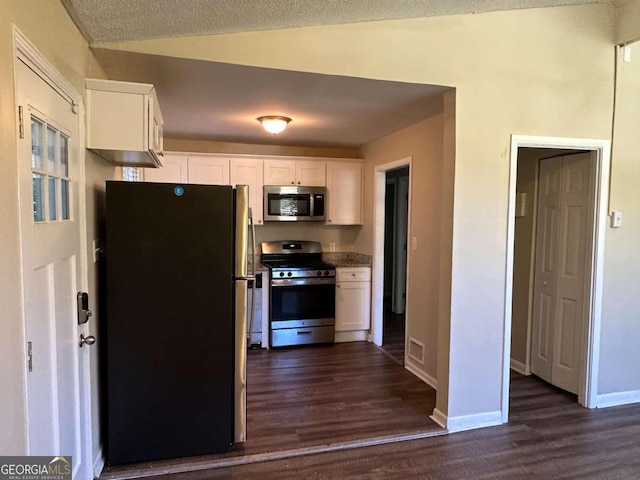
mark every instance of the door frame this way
{"type": "Point", "coordinates": [587, 394]}
{"type": "Point", "coordinates": [25, 51]}
{"type": "Point", "coordinates": [377, 296]}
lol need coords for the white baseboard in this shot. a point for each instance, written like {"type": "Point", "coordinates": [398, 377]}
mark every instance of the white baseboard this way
{"type": "Point", "coordinates": [352, 336]}
{"type": "Point", "coordinates": [98, 463]}
{"type": "Point", "coordinates": [439, 417]}
{"type": "Point", "coordinates": [478, 420]}
{"type": "Point", "coordinates": [520, 367]}
{"type": "Point", "coordinates": [617, 398]}
{"type": "Point", "coordinates": [425, 377]}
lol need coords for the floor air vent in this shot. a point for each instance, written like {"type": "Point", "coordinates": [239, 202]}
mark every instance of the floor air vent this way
{"type": "Point", "coordinates": [416, 350]}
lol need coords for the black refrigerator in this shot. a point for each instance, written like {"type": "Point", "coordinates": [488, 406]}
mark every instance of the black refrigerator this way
{"type": "Point", "coordinates": [176, 306]}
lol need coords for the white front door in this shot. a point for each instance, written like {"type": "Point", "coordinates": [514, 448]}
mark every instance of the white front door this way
{"type": "Point", "coordinates": [49, 173]}
{"type": "Point", "coordinates": [563, 247]}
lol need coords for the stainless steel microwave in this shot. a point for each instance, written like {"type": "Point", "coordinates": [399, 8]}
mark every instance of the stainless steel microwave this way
{"type": "Point", "coordinates": [294, 204]}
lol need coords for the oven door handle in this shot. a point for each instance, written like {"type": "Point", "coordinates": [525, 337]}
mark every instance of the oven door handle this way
{"type": "Point", "coordinates": [292, 282]}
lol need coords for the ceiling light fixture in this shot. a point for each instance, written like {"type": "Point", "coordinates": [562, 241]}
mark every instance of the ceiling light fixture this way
{"type": "Point", "coordinates": [274, 124]}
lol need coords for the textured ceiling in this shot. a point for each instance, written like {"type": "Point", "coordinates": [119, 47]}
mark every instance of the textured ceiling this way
{"type": "Point", "coordinates": [217, 101]}
{"type": "Point", "coordinates": [122, 20]}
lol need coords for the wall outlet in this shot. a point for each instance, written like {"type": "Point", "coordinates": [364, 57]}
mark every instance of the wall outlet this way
{"type": "Point", "coordinates": [332, 246]}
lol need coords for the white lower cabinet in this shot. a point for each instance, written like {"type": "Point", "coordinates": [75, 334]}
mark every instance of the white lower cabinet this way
{"type": "Point", "coordinates": [353, 303]}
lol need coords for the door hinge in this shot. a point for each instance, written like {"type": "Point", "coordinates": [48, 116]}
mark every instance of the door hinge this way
{"type": "Point", "coordinates": [29, 356]}
{"type": "Point", "coordinates": [21, 121]}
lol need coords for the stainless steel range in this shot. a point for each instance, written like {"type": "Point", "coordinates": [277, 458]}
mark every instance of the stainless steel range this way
{"type": "Point", "coordinates": [302, 293]}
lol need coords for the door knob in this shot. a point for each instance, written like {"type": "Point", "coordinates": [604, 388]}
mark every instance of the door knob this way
{"type": "Point", "coordinates": [90, 340]}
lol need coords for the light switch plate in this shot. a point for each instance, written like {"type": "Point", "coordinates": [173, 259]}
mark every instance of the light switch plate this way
{"type": "Point", "coordinates": [616, 219]}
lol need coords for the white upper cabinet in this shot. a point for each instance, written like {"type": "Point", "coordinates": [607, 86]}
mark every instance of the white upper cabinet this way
{"type": "Point", "coordinates": [190, 168]}
{"type": "Point", "coordinates": [279, 172]}
{"type": "Point", "coordinates": [249, 171]}
{"type": "Point", "coordinates": [208, 170]}
{"type": "Point", "coordinates": [308, 173]}
{"type": "Point", "coordinates": [344, 192]}
{"type": "Point", "coordinates": [124, 122]}
{"type": "Point", "coordinates": [173, 170]}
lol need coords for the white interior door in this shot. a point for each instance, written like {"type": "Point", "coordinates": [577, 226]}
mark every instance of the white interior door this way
{"type": "Point", "coordinates": [564, 220]}
{"type": "Point", "coordinates": [49, 173]}
{"type": "Point", "coordinates": [544, 288]}
{"type": "Point", "coordinates": [571, 280]}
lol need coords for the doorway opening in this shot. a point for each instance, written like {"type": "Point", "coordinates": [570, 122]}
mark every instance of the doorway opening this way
{"type": "Point", "coordinates": [392, 263]}
{"type": "Point", "coordinates": [396, 206]}
{"type": "Point", "coordinates": [557, 216]}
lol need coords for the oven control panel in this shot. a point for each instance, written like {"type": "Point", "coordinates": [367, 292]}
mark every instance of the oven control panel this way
{"type": "Point", "coordinates": [302, 273]}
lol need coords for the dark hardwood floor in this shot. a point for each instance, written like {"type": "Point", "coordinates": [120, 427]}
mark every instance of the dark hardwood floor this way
{"type": "Point", "coordinates": [318, 399]}
{"type": "Point", "coordinates": [393, 335]}
{"type": "Point", "coordinates": [549, 436]}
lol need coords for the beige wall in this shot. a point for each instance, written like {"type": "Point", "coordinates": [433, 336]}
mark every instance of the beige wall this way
{"type": "Point", "coordinates": [48, 26]}
{"type": "Point", "coordinates": [423, 143]}
{"type": "Point", "coordinates": [530, 72]}
{"type": "Point", "coordinates": [619, 353]}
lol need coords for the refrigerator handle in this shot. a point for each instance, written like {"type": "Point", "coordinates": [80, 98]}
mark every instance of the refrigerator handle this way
{"type": "Point", "coordinates": [252, 311]}
{"type": "Point", "coordinates": [240, 376]}
{"type": "Point", "coordinates": [242, 230]}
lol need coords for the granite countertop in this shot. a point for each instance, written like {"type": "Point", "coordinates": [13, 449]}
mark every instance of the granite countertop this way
{"type": "Point", "coordinates": [339, 259]}
{"type": "Point", "coordinates": [347, 259]}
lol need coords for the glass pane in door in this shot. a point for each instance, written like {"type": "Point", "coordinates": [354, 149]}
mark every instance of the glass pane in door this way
{"type": "Point", "coordinates": [53, 208]}
{"type": "Point", "coordinates": [64, 199]}
{"type": "Point", "coordinates": [36, 143]}
{"type": "Point", "coordinates": [64, 156]}
{"type": "Point", "coordinates": [51, 149]}
{"type": "Point", "coordinates": [38, 197]}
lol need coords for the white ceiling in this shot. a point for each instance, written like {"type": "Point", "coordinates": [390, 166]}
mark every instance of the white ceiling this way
{"type": "Point", "coordinates": [214, 101]}
{"type": "Point", "coordinates": [218, 101]}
